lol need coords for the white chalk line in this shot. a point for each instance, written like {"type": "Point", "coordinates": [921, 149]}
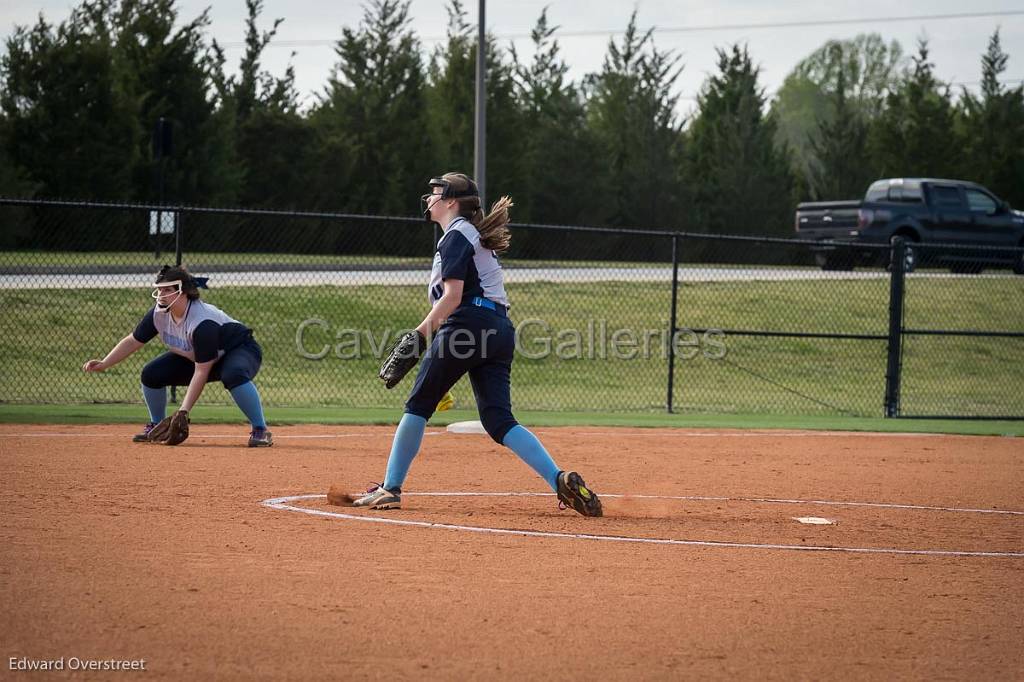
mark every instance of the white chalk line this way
{"type": "Point", "coordinates": [696, 498]}
{"type": "Point", "coordinates": [282, 503]}
{"type": "Point", "coordinates": [660, 432]}
{"type": "Point", "coordinates": [198, 436]}
{"type": "Point", "coordinates": [657, 433]}
{"type": "Point", "coordinates": [759, 500]}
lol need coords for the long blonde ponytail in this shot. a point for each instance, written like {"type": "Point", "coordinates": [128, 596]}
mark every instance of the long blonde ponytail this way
{"type": "Point", "coordinates": [493, 228]}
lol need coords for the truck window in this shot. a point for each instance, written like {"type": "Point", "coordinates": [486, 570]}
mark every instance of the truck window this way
{"type": "Point", "coordinates": [980, 202]}
{"type": "Point", "coordinates": [945, 197]}
{"type": "Point", "coordinates": [878, 191]}
{"type": "Point", "coordinates": [912, 191]}
{"type": "Point", "coordinates": [905, 194]}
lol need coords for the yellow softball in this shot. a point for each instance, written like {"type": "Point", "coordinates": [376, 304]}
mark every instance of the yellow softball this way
{"type": "Point", "coordinates": [446, 402]}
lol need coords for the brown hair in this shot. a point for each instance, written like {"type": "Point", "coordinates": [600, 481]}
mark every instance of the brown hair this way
{"type": "Point", "coordinates": [493, 227]}
{"type": "Point", "coordinates": [171, 273]}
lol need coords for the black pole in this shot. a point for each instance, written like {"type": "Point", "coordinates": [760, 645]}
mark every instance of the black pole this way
{"type": "Point", "coordinates": [177, 261]}
{"type": "Point", "coordinates": [672, 324]}
{"type": "Point", "coordinates": [161, 148]}
{"type": "Point", "coordinates": [480, 130]}
{"type": "Point", "coordinates": [897, 261]}
{"type": "Point", "coordinates": [179, 220]}
{"type": "Point", "coordinates": [156, 237]}
{"type": "Point", "coordinates": [159, 216]}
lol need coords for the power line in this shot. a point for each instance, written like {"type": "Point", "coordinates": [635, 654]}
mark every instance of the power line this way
{"type": "Point", "coordinates": [799, 24]}
{"type": "Point", "coordinates": [1004, 81]}
{"type": "Point", "coordinates": [686, 29]}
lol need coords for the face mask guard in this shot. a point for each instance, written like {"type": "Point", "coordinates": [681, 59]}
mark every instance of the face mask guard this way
{"type": "Point", "coordinates": [161, 288]}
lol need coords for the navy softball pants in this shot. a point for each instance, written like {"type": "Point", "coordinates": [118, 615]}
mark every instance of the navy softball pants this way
{"type": "Point", "coordinates": [477, 341]}
{"type": "Point", "coordinates": [236, 367]}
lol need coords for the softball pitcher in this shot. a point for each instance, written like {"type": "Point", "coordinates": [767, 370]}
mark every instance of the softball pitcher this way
{"type": "Point", "coordinates": [469, 313]}
{"type": "Point", "coordinates": [204, 344]}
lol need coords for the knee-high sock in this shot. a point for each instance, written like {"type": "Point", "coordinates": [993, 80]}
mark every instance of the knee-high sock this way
{"type": "Point", "coordinates": [403, 449]}
{"type": "Point", "coordinates": [529, 448]}
{"type": "Point", "coordinates": [156, 402]}
{"type": "Point", "coordinates": [248, 400]}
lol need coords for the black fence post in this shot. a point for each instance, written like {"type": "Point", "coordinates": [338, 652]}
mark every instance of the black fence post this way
{"type": "Point", "coordinates": [178, 244]}
{"type": "Point", "coordinates": [179, 219]}
{"type": "Point", "coordinates": [161, 150]}
{"type": "Point", "coordinates": [672, 323]}
{"type": "Point", "coordinates": [156, 237]}
{"type": "Point", "coordinates": [897, 265]}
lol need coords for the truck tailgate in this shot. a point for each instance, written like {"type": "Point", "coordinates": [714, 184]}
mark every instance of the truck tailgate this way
{"type": "Point", "coordinates": [823, 217]}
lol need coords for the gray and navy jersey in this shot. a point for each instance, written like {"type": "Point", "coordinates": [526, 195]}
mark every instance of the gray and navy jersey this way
{"type": "Point", "coordinates": [205, 333]}
{"type": "Point", "coordinates": [460, 255]}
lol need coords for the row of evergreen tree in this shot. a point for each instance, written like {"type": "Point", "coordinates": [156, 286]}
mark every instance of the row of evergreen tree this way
{"type": "Point", "coordinates": [79, 100]}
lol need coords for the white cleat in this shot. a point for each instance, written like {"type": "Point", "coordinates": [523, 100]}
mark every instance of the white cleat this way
{"type": "Point", "coordinates": [379, 498]}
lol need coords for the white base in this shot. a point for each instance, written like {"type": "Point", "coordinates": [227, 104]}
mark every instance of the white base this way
{"type": "Point", "coordinates": [814, 520]}
{"type": "Point", "coordinates": [467, 427]}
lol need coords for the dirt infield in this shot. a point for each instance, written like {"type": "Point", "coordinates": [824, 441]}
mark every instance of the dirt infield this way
{"type": "Point", "coordinates": [115, 550]}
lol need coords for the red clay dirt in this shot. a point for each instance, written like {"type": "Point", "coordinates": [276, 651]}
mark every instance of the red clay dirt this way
{"type": "Point", "coordinates": [112, 549]}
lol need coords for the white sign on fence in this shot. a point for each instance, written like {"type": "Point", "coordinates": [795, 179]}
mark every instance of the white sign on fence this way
{"type": "Point", "coordinates": [161, 222]}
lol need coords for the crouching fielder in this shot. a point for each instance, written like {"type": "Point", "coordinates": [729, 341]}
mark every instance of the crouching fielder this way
{"type": "Point", "coordinates": [204, 344]}
{"type": "Point", "coordinates": [470, 334]}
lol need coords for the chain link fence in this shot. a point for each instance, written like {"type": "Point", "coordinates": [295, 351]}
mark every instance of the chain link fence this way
{"type": "Point", "coordinates": [759, 326]}
{"type": "Point", "coordinates": [799, 340]}
{"type": "Point", "coordinates": [962, 348]}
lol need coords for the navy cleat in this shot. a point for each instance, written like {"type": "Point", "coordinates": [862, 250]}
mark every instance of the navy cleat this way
{"type": "Point", "coordinates": [260, 438]}
{"type": "Point", "coordinates": [143, 436]}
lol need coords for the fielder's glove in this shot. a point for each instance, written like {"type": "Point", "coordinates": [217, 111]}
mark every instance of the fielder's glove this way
{"type": "Point", "coordinates": [402, 358]}
{"type": "Point", "coordinates": [172, 430]}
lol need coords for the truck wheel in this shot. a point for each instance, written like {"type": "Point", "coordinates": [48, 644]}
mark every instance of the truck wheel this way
{"type": "Point", "coordinates": [909, 253]}
{"type": "Point", "coordinates": [1018, 264]}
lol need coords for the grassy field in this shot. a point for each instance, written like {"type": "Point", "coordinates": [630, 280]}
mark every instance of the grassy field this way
{"type": "Point", "coordinates": [201, 259]}
{"type": "Point", "coordinates": [47, 334]}
{"type": "Point", "coordinates": [223, 414]}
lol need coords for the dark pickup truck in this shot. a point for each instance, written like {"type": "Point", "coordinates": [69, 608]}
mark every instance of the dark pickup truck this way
{"type": "Point", "coordinates": [922, 211]}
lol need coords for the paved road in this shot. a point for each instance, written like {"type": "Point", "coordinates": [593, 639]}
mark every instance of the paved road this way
{"type": "Point", "coordinates": [420, 277]}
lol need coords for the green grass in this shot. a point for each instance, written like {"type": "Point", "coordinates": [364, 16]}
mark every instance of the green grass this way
{"type": "Point", "coordinates": [201, 259]}
{"type": "Point", "coordinates": [118, 413]}
{"type": "Point", "coordinates": [46, 335]}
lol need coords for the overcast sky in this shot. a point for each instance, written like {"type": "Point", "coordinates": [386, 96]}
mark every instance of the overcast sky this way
{"type": "Point", "coordinates": [956, 44]}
